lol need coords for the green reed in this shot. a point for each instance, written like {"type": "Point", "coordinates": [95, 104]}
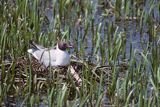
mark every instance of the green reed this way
{"type": "Point", "coordinates": [23, 20]}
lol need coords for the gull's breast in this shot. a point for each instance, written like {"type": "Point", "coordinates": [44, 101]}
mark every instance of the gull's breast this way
{"type": "Point", "coordinates": [62, 58]}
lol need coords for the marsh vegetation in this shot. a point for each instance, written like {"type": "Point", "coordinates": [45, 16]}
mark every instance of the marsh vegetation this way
{"type": "Point", "coordinates": [116, 52]}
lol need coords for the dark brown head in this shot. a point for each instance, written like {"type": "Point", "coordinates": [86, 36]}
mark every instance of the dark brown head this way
{"type": "Point", "coordinates": [63, 46]}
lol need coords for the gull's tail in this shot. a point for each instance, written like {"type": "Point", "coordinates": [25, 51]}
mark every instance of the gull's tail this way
{"type": "Point", "coordinates": [32, 44]}
{"type": "Point", "coordinates": [34, 47]}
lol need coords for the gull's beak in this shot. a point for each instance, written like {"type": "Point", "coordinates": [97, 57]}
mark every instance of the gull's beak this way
{"type": "Point", "coordinates": [70, 46]}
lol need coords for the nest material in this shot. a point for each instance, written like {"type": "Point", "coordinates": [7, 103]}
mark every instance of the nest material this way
{"type": "Point", "coordinates": [75, 69]}
{"type": "Point", "coordinates": [21, 64]}
{"type": "Point", "coordinates": [39, 69]}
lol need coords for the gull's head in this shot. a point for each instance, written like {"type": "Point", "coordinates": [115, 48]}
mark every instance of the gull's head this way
{"type": "Point", "coordinates": [63, 46]}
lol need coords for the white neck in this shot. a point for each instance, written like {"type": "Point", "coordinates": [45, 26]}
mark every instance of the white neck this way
{"type": "Point", "coordinates": [57, 47]}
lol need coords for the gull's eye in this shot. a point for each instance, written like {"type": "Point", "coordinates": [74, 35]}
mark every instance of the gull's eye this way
{"type": "Point", "coordinates": [65, 45]}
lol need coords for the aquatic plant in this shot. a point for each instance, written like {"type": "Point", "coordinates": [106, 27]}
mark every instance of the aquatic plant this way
{"type": "Point", "coordinates": [116, 53]}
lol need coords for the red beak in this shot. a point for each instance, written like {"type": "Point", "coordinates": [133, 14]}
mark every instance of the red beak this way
{"type": "Point", "coordinates": [70, 46]}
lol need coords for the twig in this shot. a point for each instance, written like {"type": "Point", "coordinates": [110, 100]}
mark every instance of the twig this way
{"type": "Point", "coordinates": [75, 76]}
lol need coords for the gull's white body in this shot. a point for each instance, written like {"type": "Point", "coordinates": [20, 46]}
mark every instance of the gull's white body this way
{"type": "Point", "coordinates": [50, 57]}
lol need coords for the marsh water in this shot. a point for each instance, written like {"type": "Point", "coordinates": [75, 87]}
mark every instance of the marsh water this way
{"type": "Point", "coordinates": [137, 37]}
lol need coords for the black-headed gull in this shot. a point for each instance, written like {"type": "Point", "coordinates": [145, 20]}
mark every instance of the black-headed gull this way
{"type": "Point", "coordinates": [51, 57]}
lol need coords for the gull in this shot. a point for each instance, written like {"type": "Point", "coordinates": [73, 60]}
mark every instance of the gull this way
{"type": "Point", "coordinates": [53, 57]}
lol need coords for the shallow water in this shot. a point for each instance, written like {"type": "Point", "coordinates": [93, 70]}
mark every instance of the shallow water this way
{"type": "Point", "coordinates": [133, 36]}
{"type": "Point", "coordinates": [135, 40]}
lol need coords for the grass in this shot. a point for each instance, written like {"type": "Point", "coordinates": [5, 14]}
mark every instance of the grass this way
{"type": "Point", "coordinates": [115, 34]}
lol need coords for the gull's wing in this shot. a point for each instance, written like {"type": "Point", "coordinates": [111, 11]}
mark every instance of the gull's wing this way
{"type": "Point", "coordinates": [45, 56]}
{"type": "Point", "coordinates": [35, 46]}
{"type": "Point", "coordinates": [42, 54]}
{"type": "Point", "coordinates": [48, 57]}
